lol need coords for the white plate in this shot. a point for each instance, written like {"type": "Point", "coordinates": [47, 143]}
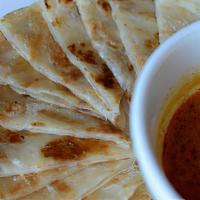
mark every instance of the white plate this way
{"type": "Point", "coordinates": [7, 6]}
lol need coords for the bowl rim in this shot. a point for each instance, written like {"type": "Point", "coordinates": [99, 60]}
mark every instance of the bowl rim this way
{"type": "Point", "coordinates": [142, 148]}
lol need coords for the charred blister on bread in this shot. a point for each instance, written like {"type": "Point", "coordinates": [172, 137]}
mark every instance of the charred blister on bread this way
{"type": "Point", "coordinates": [12, 137]}
{"type": "Point", "coordinates": [105, 6]}
{"type": "Point", "coordinates": [71, 148]}
{"type": "Point", "coordinates": [47, 4]}
{"type": "Point", "coordinates": [83, 53]}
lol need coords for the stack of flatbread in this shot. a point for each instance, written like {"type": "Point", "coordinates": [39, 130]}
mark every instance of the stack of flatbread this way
{"type": "Point", "coordinates": [67, 71]}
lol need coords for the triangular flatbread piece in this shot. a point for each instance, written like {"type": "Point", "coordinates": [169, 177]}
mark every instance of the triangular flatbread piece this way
{"type": "Point", "coordinates": [29, 34]}
{"type": "Point", "coordinates": [67, 28]}
{"type": "Point", "coordinates": [174, 15]}
{"type": "Point", "coordinates": [14, 187]}
{"type": "Point", "coordinates": [138, 29]}
{"type": "Point", "coordinates": [18, 73]}
{"type": "Point", "coordinates": [104, 34]}
{"type": "Point", "coordinates": [19, 112]}
{"type": "Point", "coordinates": [141, 193]}
{"type": "Point", "coordinates": [125, 186]}
{"type": "Point", "coordinates": [25, 152]}
{"type": "Point", "coordinates": [78, 185]}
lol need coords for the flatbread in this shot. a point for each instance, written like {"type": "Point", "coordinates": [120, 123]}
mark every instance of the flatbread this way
{"type": "Point", "coordinates": [17, 186]}
{"type": "Point", "coordinates": [138, 29]}
{"type": "Point", "coordinates": [19, 112]}
{"type": "Point", "coordinates": [25, 152]}
{"type": "Point", "coordinates": [29, 34]}
{"type": "Point", "coordinates": [78, 185]}
{"type": "Point", "coordinates": [125, 186]}
{"type": "Point", "coordinates": [63, 19]}
{"type": "Point", "coordinates": [141, 193]}
{"type": "Point", "coordinates": [20, 75]}
{"type": "Point", "coordinates": [104, 34]}
{"type": "Point", "coordinates": [55, 100]}
{"type": "Point", "coordinates": [174, 15]}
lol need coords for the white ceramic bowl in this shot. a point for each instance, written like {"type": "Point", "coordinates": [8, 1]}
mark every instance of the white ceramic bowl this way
{"type": "Point", "coordinates": [179, 55]}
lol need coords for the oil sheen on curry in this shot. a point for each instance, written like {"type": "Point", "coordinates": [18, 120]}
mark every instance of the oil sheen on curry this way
{"type": "Point", "coordinates": [181, 150]}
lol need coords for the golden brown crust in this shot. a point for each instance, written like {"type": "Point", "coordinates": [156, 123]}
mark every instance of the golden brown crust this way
{"type": "Point", "coordinates": [105, 6]}
{"type": "Point", "coordinates": [56, 54]}
{"type": "Point", "coordinates": [83, 53]}
{"type": "Point", "coordinates": [61, 186]}
{"type": "Point", "coordinates": [152, 43]}
{"type": "Point", "coordinates": [11, 137]}
{"type": "Point", "coordinates": [57, 21]}
{"type": "Point", "coordinates": [65, 1]}
{"type": "Point", "coordinates": [3, 156]}
{"type": "Point", "coordinates": [32, 178]}
{"type": "Point", "coordinates": [17, 187]}
{"type": "Point", "coordinates": [71, 148]}
{"type": "Point", "coordinates": [39, 124]}
{"type": "Point", "coordinates": [47, 4]}
{"type": "Point", "coordinates": [12, 107]}
{"type": "Point", "coordinates": [106, 78]}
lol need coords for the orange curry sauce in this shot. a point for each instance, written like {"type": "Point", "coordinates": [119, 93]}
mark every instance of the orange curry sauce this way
{"type": "Point", "coordinates": [181, 152]}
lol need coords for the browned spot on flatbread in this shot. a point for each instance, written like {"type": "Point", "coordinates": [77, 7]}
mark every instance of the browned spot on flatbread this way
{"type": "Point", "coordinates": [82, 44]}
{"type": "Point", "coordinates": [11, 137]}
{"type": "Point", "coordinates": [16, 188]}
{"type": "Point", "coordinates": [128, 96]}
{"type": "Point", "coordinates": [152, 43]}
{"type": "Point", "coordinates": [74, 74]}
{"type": "Point", "coordinates": [72, 48]}
{"type": "Point", "coordinates": [29, 83]}
{"type": "Point", "coordinates": [58, 57]}
{"type": "Point", "coordinates": [12, 107]}
{"type": "Point", "coordinates": [47, 4]}
{"type": "Point", "coordinates": [35, 44]}
{"type": "Point", "coordinates": [39, 124]}
{"type": "Point", "coordinates": [61, 186]}
{"type": "Point", "coordinates": [36, 79]}
{"type": "Point", "coordinates": [40, 41]}
{"type": "Point", "coordinates": [2, 39]}
{"type": "Point", "coordinates": [3, 156]}
{"type": "Point", "coordinates": [105, 127]}
{"type": "Point", "coordinates": [2, 117]}
{"type": "Point", "coordinates": [105, 6]}
{"type": "Point", "coordinates": [94, 28]}
{"type": "Point", "coordinates": [65, 1]}
{"type": "Point", "coordinates": [71, 148]}
{"type": "Point", "coordinates": [147, 15]}
{"type": "Point", "coordinates": [115, 180]}
{"type": "Point", "coordinates": [2, 196]}
{"type": "Point", "coordinates": [130, 67]}
{"type": "Point", "coordinates": [31, 178]}
{"type": "Point", "coordinates": [35, 37]}
{"type": "Point", "coordinates": [83, 53]}
{"type": "Point", "coordinates": [106, 78]}
{"type": "Point", "coordinates": [57, 22]}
